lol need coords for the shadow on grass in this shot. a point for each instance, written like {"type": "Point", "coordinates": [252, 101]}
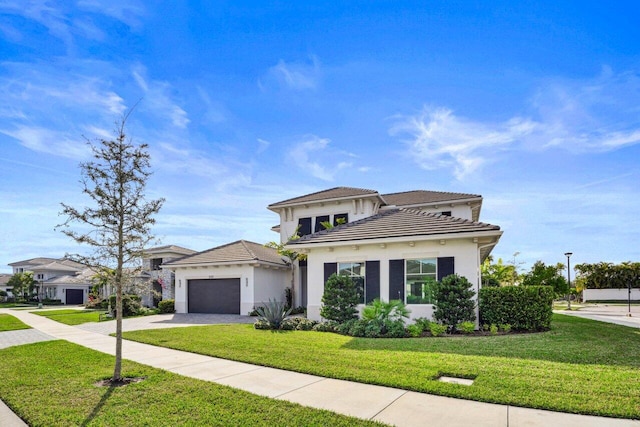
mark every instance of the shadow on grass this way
{"type": "Point", "coordinates": [96, 410]}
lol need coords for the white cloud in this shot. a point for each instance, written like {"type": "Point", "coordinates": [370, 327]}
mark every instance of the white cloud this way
{"type": "Point", "coordinates": [129, 12]}
{"type": "Point", "coordinates": [314, 147]}
{"type": "Point", "coordinates": [49, 141]}
{"type": "Point", "coordinates": [439, 139]}
{"type": "Point", "coordinates": [296, 75]}
{"type": "Point", "coordinates": [595, 115]}
{"type": "Point", "coordinates": [159, 99]}
{"type": "Point", "coordinates": [263, 145]}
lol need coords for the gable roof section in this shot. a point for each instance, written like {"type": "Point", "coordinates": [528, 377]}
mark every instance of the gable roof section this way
{"type": "Point", "coordinates": [396, 223]}
{"type": "Point", "coordinates": [241, 251]}
{"type": "Point", "coordinates": [169, 249]}
{"type": "Point", "coordinates": [421, 197]}
{"type": "Point", "coordinates": [34, 261]}
{"type": "Point", "coordinates": [336, 193]}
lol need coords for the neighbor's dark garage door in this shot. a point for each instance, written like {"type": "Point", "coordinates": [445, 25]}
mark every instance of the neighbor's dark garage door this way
{"type": "Point", "coordinates": [74, 296]}
{"type": "Point", "coordinates": [220, 296]}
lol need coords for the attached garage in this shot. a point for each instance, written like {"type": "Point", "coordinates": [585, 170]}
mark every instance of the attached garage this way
{"type": "Point", "coordinates": [74, 296]}
{"type": "Point", "coordinates": [219, 296]}
{"type": "Point", "coordinates": [230, 279]}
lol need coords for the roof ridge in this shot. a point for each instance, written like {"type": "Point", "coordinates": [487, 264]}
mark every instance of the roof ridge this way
{"type": "Point", "coordinates": [430, 191]}
{"type": "Point", "coordinates": [368, 190]}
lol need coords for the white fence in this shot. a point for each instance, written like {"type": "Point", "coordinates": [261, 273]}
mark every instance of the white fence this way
{"type": "Point", "coordinates": [610, 294]}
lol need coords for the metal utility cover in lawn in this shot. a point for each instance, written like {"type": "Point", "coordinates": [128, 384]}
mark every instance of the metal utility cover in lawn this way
{"type": "Point", "coordinates": [219, 296]}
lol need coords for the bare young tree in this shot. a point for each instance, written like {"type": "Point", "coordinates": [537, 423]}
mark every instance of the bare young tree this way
{"type": "Point", "coordinates": [118, 223]}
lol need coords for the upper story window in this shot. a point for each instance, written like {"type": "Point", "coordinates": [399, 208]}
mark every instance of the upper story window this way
{"type": "Point", "coordinates": [39, 276]}
{"type": "Point", "coordinates": [156, 263]}
{"type": "Point", "coordinates": [420, 277]}
{"type": "Point", "coordinates": [319, 220]}
{"type": "Point", "coordinates": [19, 270]}
{"type": "Point", "coordinates": [304, 226]}
{"type": "Point", "coordinates": [355, 270]}
{"type": "Point", "coordinates": [342, 218]}
{"type": "Point", "coordinates": [445, 213]}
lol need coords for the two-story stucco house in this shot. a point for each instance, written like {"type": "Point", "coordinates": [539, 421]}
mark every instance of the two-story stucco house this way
{"type": "Point", "coordinates": [161, 280]}
{"type": "Point", "coordinates": [393, 245]}
{"type": "Point", "coordinates": [60, 279]}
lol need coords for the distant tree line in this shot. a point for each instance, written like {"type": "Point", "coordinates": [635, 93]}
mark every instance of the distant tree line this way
{"type": "Point", "coordinates": [605, 275]}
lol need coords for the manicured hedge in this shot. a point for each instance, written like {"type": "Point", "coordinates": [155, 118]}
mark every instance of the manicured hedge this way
{"type": "Point", "coordinates": [167, 306]}
{"type": "Point", "coordinates": [525, 308]}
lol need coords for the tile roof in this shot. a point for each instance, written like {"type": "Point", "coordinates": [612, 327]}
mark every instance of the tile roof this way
{"type": "Point", "coordinates": [419, 197]}
{"type": "Point", "coordinates": [330, 194]}
{"type": "Point", "coordinates": [55, 266]}
{"type": "Point", "coordinates": [34, 261]}
{"type": "Point", "coordinates": [238, 251]}
{"type": "Point", "coordinates": [396, 223]}
{"type": "Point", "coordinates": [170, 248]}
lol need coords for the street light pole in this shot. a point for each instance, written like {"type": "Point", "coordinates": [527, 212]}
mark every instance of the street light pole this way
{"type": "Point", "coordinates": [568, 255]}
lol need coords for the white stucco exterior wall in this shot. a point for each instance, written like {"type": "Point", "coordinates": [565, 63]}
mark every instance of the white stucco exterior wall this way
{"type": "Point", "coordinates": [464, 251]}
{"type": "Point", "coordinates": [610, 294]}
{"type": "Point", "coordinates": [256, 284]}
{"type": "Point", "coordinates": [358, 208]}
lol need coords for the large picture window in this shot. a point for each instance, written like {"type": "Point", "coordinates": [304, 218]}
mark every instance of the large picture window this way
{"type": "Point", "coordinates": [356, 271]}
{"type": "Point", "coordinates": [420, 276]}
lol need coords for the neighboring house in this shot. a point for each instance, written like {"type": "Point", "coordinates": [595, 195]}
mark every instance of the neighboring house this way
{"type": "Point", "coordinates": [393, 245]}
{"type": "Point", "coordinates": [229, 279]}
{"type": "Point", "coordinates": [4, 278]}
{"type": "Point", "coordinates": [162, 280]}
{"type": "Point", "coordinates": [58, 279]}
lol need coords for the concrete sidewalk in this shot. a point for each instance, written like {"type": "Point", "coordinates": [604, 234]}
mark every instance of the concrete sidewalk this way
{"type": "Point", "coordinates": [385, 404]}
{"type": "Point", "coordinates": [609, 313]}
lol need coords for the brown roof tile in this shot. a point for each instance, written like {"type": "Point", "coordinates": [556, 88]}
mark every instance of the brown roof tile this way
{"type": "Point", "coordinates": [396, 223]}
{"type": "Point", "coordinates": [330, 194]}
{"type": "Point", "coordinates": [239, 251]}
{"type": "Point", "coordinates": [418, 197]}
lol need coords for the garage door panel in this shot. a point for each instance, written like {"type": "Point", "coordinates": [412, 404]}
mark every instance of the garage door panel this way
{"type": "Point", "coordinates": [220, 296]}
{"type": "Point", "coordinates": [74, 296]}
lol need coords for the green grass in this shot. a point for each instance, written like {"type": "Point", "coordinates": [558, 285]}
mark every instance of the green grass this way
{"type": "Point", "coordinates": [52, 384]}
{"type": "Point", "coordinates": [10, 323]}
{"type": "Point", "coordinates": [580, 366]}
{"type": "Point", "coordinates": [71, 316]}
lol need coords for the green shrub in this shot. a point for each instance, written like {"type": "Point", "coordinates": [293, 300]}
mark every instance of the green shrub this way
{"type": "Point", "coordinates": [437, 329]}
{"type": "Point", "coordinates": [340, 299]}
{"type": "Point", "coordinates": [328, 326]}
{"type": "Point", "coordinates": [505, 327]}
{"type": "Point", "coordinates": [394, 310]}
{"type": "Point", "coordinates": [467, 327]}
{"type": "Point", "coordinates": [415, 330]}
{"type": "Point", "coordinates": [167, 306]}
{"type": "Point", "coordinates": [493, 329]}
{"type": "Point", "coordinates": [423, 322]}
{"type": "Point", "coordinates": [305, 324]}
{"type": "Point", "coordinates": [261, 324]}
{"type": "Point", "coordinates": [130, 305]}
{"type": "Point", "coordinates": [395, 329]}
{"type": "Point", "coordinates": [3, 293]}
{"type": "Point", "coordinates": [345, 327]}
{"type": "Point", "coordinates": [454, 303]}
{"type": "Point", "coordinates": [274, 312]}
{"type": "Point", "coordinates": [525, 308]}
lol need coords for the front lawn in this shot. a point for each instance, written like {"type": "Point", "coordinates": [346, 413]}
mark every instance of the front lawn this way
{"type": "Point", "coordinates": [71, 316]}
{"type": "Point", "coordinates": [52, 384]}
{"type": "Point", "coordinates": [580, 366]}
{"type": "Point", "coordinates": [10, 323]}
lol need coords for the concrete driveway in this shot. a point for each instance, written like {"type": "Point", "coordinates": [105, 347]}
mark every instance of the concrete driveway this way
{"type": "Point", "coordinates": [161, 321]}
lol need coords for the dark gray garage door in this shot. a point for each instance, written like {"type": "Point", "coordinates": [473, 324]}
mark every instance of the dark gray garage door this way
{"type": "Point", "coordinates": [221, 296]}
{"type": "Point", "coordinates": [74, 296]}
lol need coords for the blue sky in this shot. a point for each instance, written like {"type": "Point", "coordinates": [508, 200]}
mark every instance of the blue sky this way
{"type": "Point", "coordinates": [533, 105]}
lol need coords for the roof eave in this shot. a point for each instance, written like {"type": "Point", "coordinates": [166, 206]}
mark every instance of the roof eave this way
{"type": "Point", "coordinates": [400, 239]}
{"type": "Point", "coordinates": [276, 207]}
{"type": "Point", "coordinates": [173, 266]}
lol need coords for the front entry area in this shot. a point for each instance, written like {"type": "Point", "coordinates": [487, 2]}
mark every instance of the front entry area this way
{"type": "Point", "coordinates": [219, 296]}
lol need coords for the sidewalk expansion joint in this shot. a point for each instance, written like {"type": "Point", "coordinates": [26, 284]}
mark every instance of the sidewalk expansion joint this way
{"type": "Point", "coordinates": [299, 388]}
{"type": "Point", "coordinates": [390, 403]}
